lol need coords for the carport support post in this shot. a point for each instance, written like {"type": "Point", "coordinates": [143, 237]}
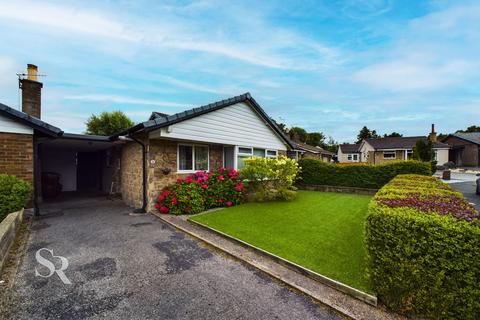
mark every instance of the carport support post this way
{"type": "Point", "coordinates": [144, 174]}
{"type": "Point", "coordinates": [36, 177]}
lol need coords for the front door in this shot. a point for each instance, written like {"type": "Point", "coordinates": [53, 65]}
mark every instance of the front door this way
{"type": "Point", "coordinates": [89, 177]}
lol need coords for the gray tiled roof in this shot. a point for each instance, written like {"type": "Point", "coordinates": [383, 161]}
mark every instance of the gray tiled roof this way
{"type": "Point", "coordinates": [30, 121]}
{"type": "Point", "coordinates": [350, 148]}
{"type": "Point", "coordinates": [473, 137]}
{"type": "Point", "coordinates": [309, 148]}
{"type": "Point", "coordinates": [400, 142]}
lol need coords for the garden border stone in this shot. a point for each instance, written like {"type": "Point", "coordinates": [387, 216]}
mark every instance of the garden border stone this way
{"type": "Point", "coordinates": [339, 189]}
{"type": "Point", "coordinates": [8, 230]}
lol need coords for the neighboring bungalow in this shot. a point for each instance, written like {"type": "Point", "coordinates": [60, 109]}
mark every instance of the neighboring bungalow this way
{"type": "Point", "coordinates": [303, 150]}
{"type": "Point", "coordinates": [349, 153]}
{"type": "Point", "coordinates": [381, 150]}
{"type": "Point", "coordinates": [137, 162]}
{"type": "Point", "coordinates": [464, 148]}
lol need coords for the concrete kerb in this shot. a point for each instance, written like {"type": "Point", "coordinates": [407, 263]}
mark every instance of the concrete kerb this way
{"type": "Point", "coordinates": [8, 230]}
{"type": "Point", "coordinates": [318, 291]}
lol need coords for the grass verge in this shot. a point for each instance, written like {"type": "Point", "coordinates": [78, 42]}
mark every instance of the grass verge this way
{"type": "Point", "coordinates": [320, 231]}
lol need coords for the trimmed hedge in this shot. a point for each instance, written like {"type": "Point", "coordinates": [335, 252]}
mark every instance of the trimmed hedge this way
{"type": "Point", "coordinates": [360, 176]}
{"type": "Point", "coordinates": [423, 249]}
{"type": "Point", "coordinates": [14, 194]}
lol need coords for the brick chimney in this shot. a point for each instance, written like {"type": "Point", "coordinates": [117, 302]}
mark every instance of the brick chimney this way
{"type": "Point", "coordinates": [31, 92]}
{"type": "Point", "coordinates": [432, 135]}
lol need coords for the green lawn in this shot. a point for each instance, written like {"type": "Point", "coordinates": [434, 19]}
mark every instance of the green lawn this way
{"type": "Point", "coordinates": [319, 230]}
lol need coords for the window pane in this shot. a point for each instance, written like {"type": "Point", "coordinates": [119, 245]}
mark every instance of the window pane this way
{"type": "Point", "coordinates": [240, 161]}
{"type": "Point", "coordinates": [349, 157]}
{"type": "Point", "coordinates": [355, 157]}
{"type": "Point", "coordinates": [201, 158]}
{"type": "Point", "coordinates": [389, 154]}
{"type": "Point", "coordinates": [185, 158]}
{"type": "Point", "coordinates": [272, 153]}
{"type": "Point", "coordinates": [245, 150]}
{"type": "Point", "coordinates": [259, 153]}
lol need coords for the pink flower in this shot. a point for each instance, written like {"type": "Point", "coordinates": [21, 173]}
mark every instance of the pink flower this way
{"type": "Point", "coordinates": [229, 203]}
{"type": "Point", "coordinates": [161, 198]}
{"type": "Point", "coordinates": [166, 193]}
{"type": "Point", "coordinates": [164, 209]}
{"type": "Point", "coordinates": [239, 187]}
{"type": "Point", "coordinates": [220, 178]}
{"type": "Point", "coordinates": [174, 201]}
{"type": "Point", "coordinates": [204, 186]}
{"type": "Point", "coordinates": [179, 180]}
{"type": "Point", "coordinates": [221, 169]}
{"type": "Point", "coordinates": [157, 206]}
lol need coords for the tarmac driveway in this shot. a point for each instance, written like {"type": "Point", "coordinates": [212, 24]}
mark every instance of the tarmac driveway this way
{"type": "Point", "coordinates": [137, 267]}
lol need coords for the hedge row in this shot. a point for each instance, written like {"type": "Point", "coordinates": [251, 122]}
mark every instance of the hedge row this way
{"type": "Point", "coordinates": [14, 194]}
{"type": "Point", "coordinates": [360, 176]}
{"type": "Point", "coordinates": [422, 241]}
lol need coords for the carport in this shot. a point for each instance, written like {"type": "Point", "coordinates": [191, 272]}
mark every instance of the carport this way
{"type": "Point", "coordinates": [78, 165]}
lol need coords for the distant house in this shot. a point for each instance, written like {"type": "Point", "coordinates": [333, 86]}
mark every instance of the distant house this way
{"type": "Point", "coordinates": [349, 153]}
{"type": "Point", "coordinates": [464, 148]}
{"type": "Point", "coordinates": [382, 150]}
{"type": "Point", "coordinates": [303, 150]}
{"type": "Point", "coordinates": [140, 161]}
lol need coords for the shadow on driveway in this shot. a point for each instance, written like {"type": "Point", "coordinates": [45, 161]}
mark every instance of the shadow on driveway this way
{"type": "Point", "coordinates": [137, 267]}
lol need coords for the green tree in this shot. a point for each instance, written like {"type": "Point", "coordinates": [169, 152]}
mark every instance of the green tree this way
{"type": "Point", "coordinates": [331, 145]}
{"type": "Point", "coordinates": [423, 150]}
{"type": "Point", "coordinates": [471, 129]}
{"type": "Point", "coordinates": [365, 133]}
{"type": "Point", "coordinates": [297, 133]}
{"type": "Point", "coordinates": [108, 123]}
{"type": "Point", "coordinates": [316, 139]}
{"type": "Point", "coordinates": [393, 134]}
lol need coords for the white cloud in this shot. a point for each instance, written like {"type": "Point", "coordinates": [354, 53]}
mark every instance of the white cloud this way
{"type": "Point", "coordinates": [125, 100]}
{"type": "Point", "coordinates": [409, 74]}
{"type": "Point", "coordinates": [268, 47]}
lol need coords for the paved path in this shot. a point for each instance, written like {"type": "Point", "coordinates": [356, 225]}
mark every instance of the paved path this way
{"type": "Point", "coordinates": [466, 184]}
{"type": "Point", "coordinates": [137, 267]}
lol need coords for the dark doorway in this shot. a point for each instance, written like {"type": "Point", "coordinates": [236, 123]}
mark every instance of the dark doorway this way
{"type": "Point", "coordinates": [89, 171]}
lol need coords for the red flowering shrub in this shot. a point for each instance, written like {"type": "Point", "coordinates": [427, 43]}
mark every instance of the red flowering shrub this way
{"type": "Point", "coordinates": [181, 198]}
{"type": "Point", "coordinates": [201, 191]}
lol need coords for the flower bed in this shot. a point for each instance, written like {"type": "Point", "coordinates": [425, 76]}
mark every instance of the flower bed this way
{"type": "Point", "coordinates": [422, 241]}
{"type": "Point", "coordinates": [201, 191]}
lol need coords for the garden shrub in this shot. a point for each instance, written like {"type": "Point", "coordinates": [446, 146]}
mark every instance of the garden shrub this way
{"type": "Point", "coordinates": [360, 176]}
{"type": "Point", "coordinates": [201, 191]}
{"type": "Point", "coordinates": [14, 194]}
{"type": "Point", "coordinates": [422, 241]}
{"type": "Point", "coordinates": [270, 179]}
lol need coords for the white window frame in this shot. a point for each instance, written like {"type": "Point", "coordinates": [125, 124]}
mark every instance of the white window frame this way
{"type": "Point", "coordinates": [238, 153]}
{"type": "Point", "coordinates": [390, 152]}
{"type": "Point", "coordinates": [355, 157]}
{"type": "Point", "coordinates": [269, 156]}
{"type": "Point", "coordinates": [407, 153]}
{"type": "Point", "coordinates": [193, 157]}
{"type": "Point", "coordinates": [349, 156]}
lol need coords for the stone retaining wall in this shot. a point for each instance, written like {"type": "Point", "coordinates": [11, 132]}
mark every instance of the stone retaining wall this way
{"type": "Point", "coordinates": [8, 229]}
{"type": "Point", "coordinates": [324, 188]}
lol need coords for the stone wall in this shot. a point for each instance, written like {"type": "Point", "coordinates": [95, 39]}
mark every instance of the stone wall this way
{"type": "Point", "coordinates": [131, 174]}
{"type": "Point", "coordinates": [8, 230]}
{"type": "Point", "coordinates": [162, 166]}
{"type": "Point", "coordinates": [16, 155]}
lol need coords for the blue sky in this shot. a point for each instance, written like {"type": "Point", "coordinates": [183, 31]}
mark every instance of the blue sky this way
{"type": "Point", "coordinates": [330, 66]}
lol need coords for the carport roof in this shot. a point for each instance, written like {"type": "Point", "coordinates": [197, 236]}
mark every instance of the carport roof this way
{"type": "Point", "coordinates": [30, 121]}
